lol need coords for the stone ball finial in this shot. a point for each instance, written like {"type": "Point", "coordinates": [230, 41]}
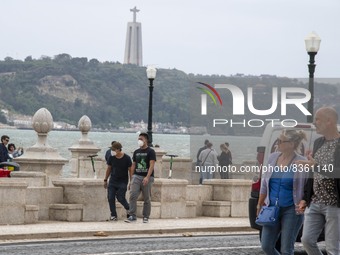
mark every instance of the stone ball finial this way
{"type": "Point", "coordinates": [42, 121]}
{"type": "Point", "coordinates": [84, 124]}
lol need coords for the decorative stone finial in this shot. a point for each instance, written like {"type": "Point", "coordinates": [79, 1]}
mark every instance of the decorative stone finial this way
{"type": "Point", "coordinates": [84, 124]}
{"type": "Point", "coordinates": [42, 121]}
{"type": "Point", "coordinates": [81, 164]}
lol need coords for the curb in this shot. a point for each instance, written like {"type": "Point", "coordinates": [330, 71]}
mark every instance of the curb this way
{"type": "Point", "coordinates": [156, 231]}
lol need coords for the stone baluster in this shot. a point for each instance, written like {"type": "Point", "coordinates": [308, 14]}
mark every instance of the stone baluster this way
{"type": "Point", "coordinates": [41, 157]}
{"type": "Point", "coordinates": [81, 164]}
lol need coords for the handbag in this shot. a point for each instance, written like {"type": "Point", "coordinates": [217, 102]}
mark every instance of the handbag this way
{"type": "Point", "coordinates": [268, 215]}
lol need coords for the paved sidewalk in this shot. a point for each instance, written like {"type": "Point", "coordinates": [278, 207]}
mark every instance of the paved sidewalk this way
{"type": "Point", "coordinates": [62, 229]}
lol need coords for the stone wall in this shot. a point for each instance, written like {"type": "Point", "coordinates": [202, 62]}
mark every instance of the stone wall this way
{"type": "Point", "coordinates": [37, 192]}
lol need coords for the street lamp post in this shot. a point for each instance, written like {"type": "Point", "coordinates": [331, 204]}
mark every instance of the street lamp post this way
{"type": "Point", "coordinates": [151, 74]}
{"type": "Point", "coordinates": [312, 42]}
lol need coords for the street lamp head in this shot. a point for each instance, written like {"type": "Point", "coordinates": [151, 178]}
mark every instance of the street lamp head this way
{"type": "Point", "coordinates": [312, 42]}
{"type": "Point", "coordinates": [151, 72]}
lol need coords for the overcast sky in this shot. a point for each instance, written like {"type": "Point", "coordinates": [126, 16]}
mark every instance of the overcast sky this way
{"type": "Point", "coordinates": [195, 36]}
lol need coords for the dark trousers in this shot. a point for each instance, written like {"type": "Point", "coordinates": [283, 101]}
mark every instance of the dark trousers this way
{"type": "Point", "coordinates": [117, 190]}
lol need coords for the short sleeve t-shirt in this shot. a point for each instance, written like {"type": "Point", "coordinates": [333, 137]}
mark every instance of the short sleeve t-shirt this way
{"type": "Point", "coordinates": [119, 168]}
{"type": "Point", "coordinates": [142, 159]}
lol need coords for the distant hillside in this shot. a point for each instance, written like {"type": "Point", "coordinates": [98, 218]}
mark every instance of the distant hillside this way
{"type": "Point", "coordinates": [111, 94]}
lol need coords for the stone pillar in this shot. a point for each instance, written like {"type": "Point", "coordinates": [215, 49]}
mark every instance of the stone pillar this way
{"type": "Point", "coordinates": [87, 192]}
{"type": "Point", "coordinates": [171, 193]}
{"type": "Point", "coordinates": [13, 201]}
{"type": "Point", "coordinates": [81, 164]}
{"type": "Point", "coordinates": [159, 165]}
{"type": "Point", "coordinates": [199, 194]}
{"type": "Point", "coordinates": [41, 157]}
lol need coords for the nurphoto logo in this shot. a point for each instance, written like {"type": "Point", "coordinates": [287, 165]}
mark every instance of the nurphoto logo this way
{"type": "Point", "coordinates": [204, 96]}
{"type": "Point", "coordinates": [294, 96]}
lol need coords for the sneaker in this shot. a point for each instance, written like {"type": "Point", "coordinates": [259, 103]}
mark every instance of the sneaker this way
{"type": "Point", "coordinates": [113, 218]}
{"type": "Point", "coordinates": [130, 219]}
{"type": "Point", "coordinates": [145, 220]}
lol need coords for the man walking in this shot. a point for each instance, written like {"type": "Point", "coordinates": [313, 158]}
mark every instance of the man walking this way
{"type": "Point", "coordinates": [322, 190]}
{"type": "Point", "coordinates": [142, 168]}
{"type": "Point", "coordinates": [118, 167]}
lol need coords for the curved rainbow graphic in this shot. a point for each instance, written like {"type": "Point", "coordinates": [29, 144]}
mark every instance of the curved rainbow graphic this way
{"type": "Point", "coordinates": [208, 92]}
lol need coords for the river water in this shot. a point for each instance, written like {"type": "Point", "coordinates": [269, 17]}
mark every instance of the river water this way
{"type": "Point", "coordinates": [242, 147]}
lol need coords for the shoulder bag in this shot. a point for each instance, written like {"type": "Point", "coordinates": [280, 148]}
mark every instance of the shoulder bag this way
{"type": "Point", "coordinates": [269, 215]}
{"type": "Point", "coordinates": [202, 163]}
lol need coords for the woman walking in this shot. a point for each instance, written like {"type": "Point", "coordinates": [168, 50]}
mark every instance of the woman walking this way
{"type": "Point", "coordinates": [283, 186]}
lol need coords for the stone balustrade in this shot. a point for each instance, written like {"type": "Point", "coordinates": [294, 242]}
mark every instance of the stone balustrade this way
{"type": "Point", "coordinates": [37, 191]}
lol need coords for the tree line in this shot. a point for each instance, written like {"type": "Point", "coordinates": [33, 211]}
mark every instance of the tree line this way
{"type": "Point", "coordinates": [113, 94]}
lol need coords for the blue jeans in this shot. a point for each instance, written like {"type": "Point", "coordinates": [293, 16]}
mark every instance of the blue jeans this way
{"type": "Point", "coordinates": [206, 172]}
{"type": "Point", "coordinates": [288, 226]}
{"type": "Point", "coordinates": [318, 216]}
{"type": "Point", "coordinates": [117, 190]}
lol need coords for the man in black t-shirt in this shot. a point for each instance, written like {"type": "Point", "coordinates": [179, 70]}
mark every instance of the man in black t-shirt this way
{"type": "Point", "coordinates": [118, 168]}
{"type": "Point", "coordinates": [142, 167]}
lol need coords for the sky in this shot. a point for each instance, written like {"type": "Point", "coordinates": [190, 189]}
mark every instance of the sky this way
{"type": "Point", "coordinates": [222, 37]}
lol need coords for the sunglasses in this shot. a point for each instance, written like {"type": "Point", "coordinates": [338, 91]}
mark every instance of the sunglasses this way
{"type": "Point", "coordinates": [279, 141]}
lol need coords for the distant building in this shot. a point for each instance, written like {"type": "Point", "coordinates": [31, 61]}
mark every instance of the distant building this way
{"type": "Point", "coordinates": [133, 45]}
